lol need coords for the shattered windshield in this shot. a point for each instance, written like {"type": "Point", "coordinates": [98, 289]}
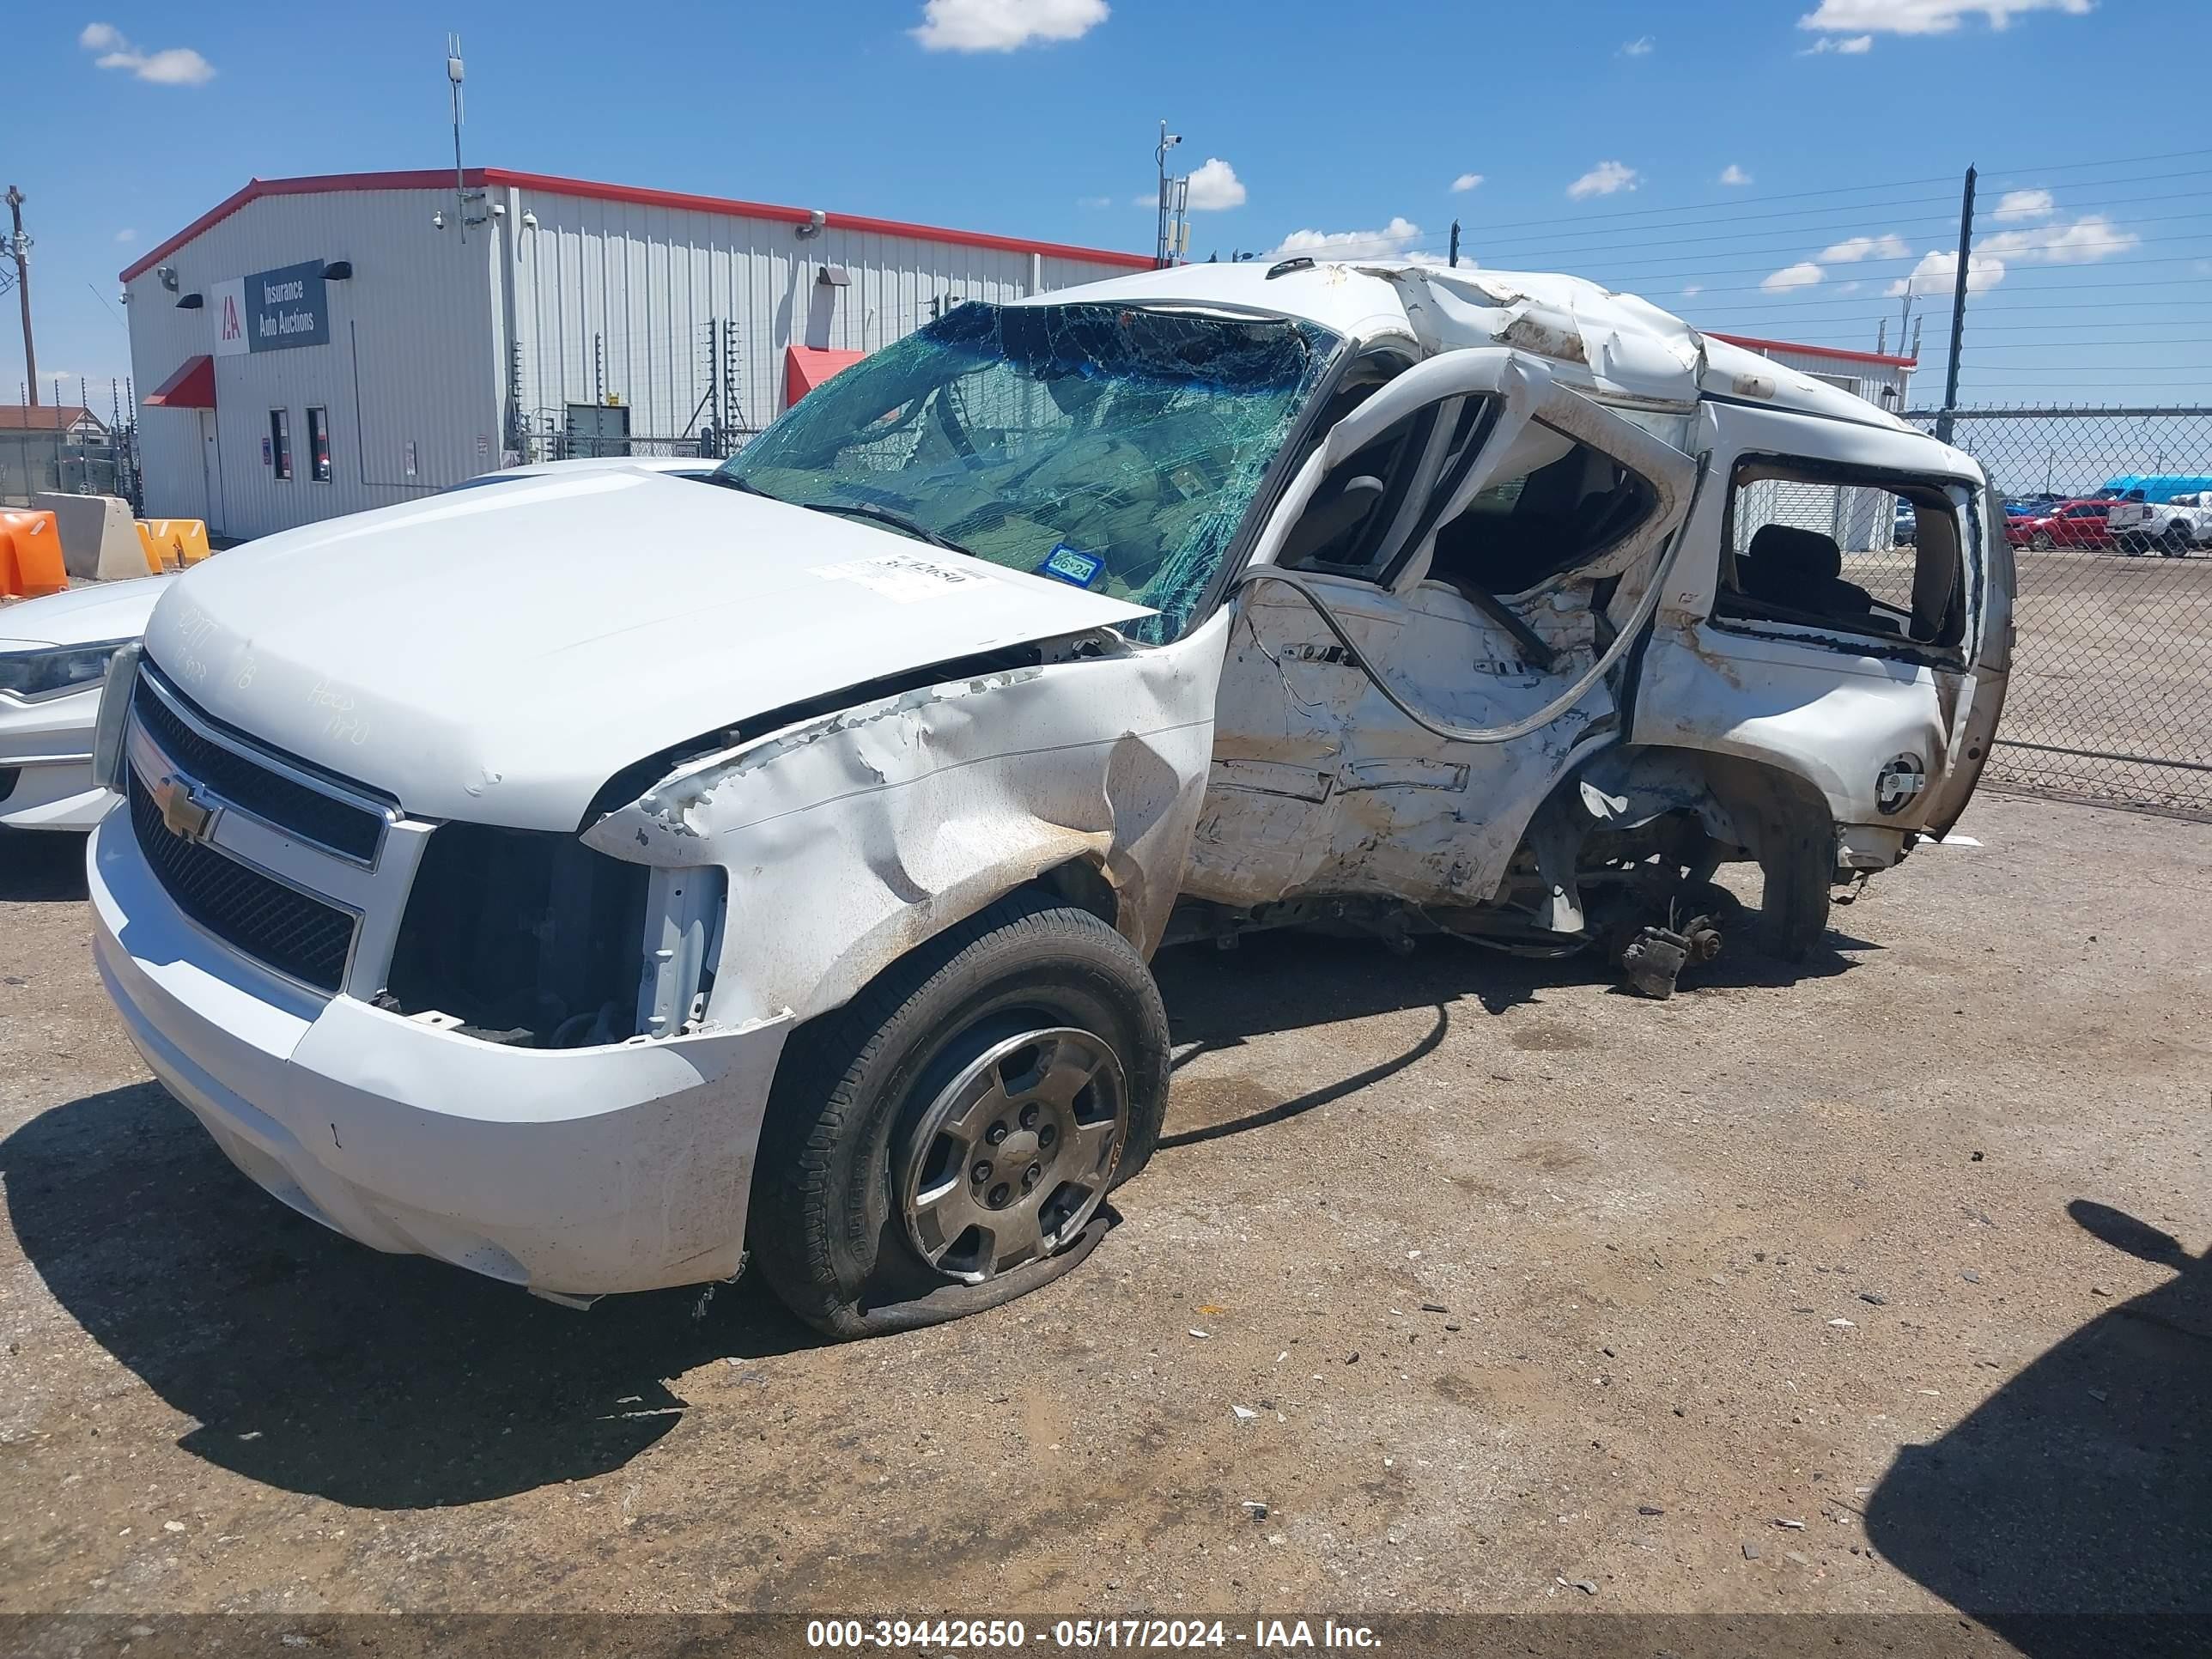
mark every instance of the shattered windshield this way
{"type": "Point", "coordinates": [1115, 448]}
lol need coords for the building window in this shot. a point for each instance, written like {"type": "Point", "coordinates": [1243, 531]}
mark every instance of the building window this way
{"type": "Point", "coordinates": [318, 445]}
{"type": "Point", "coordinates": [280, 441]}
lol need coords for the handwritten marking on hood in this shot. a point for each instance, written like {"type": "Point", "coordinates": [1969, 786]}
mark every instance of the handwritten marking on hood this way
{"type": "Point", "coordinates": [902, 578]}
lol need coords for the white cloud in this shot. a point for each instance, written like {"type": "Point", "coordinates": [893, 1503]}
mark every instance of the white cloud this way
{"type": "Point", "coordinates": [1852, 249]}
{"type": "Point", "coordinates": [1938, 272]}
{"type": "Point", "coordinates": [171, 66]}
{"type": "Point", "coordinates": [1851, 47]}
{"type": "Point", "coordinates": [1108, 201]}
{"type": "Point", "coordinates": [1214, 186]}
{"type": "Point", "coordinates": [1641, 46]}
{"type": "Point", "coordinates": [1925, 16]}
{"type": "Point", "coordinates": [1733, 174]}
{"type": "Point", "coordinates": [126, 235]}
{"type": "Point", "coordinates": [1803, 274]}
{"type": "Point", "coordinates": [1850, 287]}
{"type": "Point", "coordinates": [2017, 204]}
{"type": "Point", "coordinates": [1466, 181]}
{"type": "Point", "coordinates": [2085, 242]}
{"type": "Point", "coordinates": [1005, 25]}
{"type": "Point", "coordinates": [1694, 290]}
{"type": "Point", "coordinates": [1603, 180]}
{"type": "Point", "coordinates": [1392, 241]}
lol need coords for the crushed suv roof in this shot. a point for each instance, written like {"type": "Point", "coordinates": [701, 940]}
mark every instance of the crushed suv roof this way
{"type": "Point", "coordinates": [1621, 347]}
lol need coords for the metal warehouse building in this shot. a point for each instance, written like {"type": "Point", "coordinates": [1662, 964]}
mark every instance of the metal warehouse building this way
{"type": "Point", "coordinates": [317, 346]}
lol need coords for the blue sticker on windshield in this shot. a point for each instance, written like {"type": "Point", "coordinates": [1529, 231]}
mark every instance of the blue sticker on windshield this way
{"type": "Point", "coordinates": [1070, 565]}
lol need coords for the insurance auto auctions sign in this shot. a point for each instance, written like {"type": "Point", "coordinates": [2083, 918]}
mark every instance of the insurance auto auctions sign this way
{"type": "Point", "coordinates": [270, 310]}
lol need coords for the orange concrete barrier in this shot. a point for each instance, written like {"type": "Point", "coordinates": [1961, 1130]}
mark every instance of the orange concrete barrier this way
{"type": "Point", "coordinates": [173, 544]}
{"type": "Point", "coordinates": [31, 556]}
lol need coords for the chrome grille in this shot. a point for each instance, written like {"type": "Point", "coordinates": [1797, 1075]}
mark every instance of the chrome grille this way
{"type": "Point", "coordinates": [280, 925]}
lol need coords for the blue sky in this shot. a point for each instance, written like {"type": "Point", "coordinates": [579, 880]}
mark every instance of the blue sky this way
{"type": "Point", "coordinates": [1772, 167]}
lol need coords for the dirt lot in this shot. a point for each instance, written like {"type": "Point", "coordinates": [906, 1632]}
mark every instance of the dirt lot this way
{"type": "Point", "coordinates": [1526, 1283]}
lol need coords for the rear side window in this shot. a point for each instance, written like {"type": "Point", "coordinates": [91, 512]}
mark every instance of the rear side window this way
{"type": "Point", "coordinates": [1847, 551]}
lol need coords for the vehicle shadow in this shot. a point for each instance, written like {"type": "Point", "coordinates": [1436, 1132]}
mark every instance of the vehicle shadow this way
{"type": "Point", "coordinates": [40, 866]}
{"type": "Point", "coordinates": [1274, 983]}
{"type": "Point", "coordinates": [2079, 1494]}
{"type": "Point", "coordinates": [313, 1363]}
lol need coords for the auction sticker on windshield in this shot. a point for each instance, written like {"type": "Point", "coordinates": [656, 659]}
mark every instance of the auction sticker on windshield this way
{"type": "Point", "coordinates": [902, 578]}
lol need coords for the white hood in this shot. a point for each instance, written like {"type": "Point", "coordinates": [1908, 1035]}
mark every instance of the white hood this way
{"type": "Point", "coordinates": [497, 654]}
{"type": "Point", "coordinates": [86, 614]}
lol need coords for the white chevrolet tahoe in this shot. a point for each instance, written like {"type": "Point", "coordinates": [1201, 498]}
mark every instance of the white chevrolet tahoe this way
{"type": "Point", "coordinates": [619, 871]}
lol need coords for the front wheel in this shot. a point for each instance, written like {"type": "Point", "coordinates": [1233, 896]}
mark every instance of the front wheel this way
{"type": "Point", "coordinates": [2040, 541]}
{"type": "Point", "coordinates": [945, 1142]}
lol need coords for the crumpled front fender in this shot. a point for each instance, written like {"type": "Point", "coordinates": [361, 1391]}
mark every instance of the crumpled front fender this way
{"type": "Point", "coordinates": [853, 837]}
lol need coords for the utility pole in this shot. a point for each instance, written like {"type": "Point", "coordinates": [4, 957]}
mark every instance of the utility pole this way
{"type": "Point", "coordinates": [464, 197]}
{"type": "Point", "coordinates": [1455, 243]}
{"type": "Point", "coordinates": [454, 74]}
{"type": "Point", "coordinates": [19, 247]}
{"type": "Point", "coordinates": [1163, 243]}
{"type": "Point", "coordinates": [1957, 308]}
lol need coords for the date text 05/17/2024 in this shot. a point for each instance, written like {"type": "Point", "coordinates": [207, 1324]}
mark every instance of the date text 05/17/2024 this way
{"type": "Point", "coordinates": [986, 1634]}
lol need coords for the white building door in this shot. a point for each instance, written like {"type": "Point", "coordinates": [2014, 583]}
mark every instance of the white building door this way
{"type": "Point", "coordinates": [211, 472]}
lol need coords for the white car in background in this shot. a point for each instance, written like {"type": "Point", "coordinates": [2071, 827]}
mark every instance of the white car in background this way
{"type": "Point", "coordinates": [2174, 528]}
{"type": "Point", "coordinates": [54, 651]}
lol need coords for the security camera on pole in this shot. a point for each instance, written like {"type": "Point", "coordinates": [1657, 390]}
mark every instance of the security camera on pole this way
{"type": "Point", "coordinates": [1173, 240]}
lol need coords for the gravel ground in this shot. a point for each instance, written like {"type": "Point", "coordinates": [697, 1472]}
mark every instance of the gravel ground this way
{"type": "Point", "coordinates": [1500, 1289]}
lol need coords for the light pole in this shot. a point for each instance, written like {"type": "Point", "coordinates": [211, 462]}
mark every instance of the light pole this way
{"type": "Point", "coordinates": [1164, 242]}
{"type": "Point", "coordinates": [18, 247]}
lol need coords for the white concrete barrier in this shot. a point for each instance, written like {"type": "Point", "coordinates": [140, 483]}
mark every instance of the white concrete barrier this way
{"type": "Point", "coordinates": [99, 539]}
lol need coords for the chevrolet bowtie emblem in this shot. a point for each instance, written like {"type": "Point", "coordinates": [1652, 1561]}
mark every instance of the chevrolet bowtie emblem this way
{"type": "Point", "coordinates": [184, 812]}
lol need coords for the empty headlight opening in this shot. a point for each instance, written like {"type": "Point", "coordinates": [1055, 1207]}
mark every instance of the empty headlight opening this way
{"type": "Point", "coordinates": [526, 937]}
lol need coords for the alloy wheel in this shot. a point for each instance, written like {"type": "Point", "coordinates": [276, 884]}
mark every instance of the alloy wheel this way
{"type": "Point", "coordinates": [1013, 1156]}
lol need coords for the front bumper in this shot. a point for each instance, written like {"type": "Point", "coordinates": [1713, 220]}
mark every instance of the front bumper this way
{"type": "Point", "coordinates": [575, 1171]}
{"type": "Point", "coordinates": [45, 749]}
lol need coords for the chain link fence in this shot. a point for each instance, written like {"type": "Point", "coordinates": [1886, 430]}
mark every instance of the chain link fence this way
{"type": "Point", "coordinates": [38, 463]}
{"type": "Point", "coordinates": [2109, 511]}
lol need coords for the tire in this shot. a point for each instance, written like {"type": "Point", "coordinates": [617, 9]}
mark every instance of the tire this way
{"type": "Point", "coordinates": [849, 1137]}
{"type": "Point", "coordinates": [2176, 543]}
{"type": "Point", "coordinates": [2040, 541]}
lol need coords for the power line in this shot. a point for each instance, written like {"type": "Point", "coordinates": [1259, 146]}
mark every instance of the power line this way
{"type": "Point", "coordinates": [1693, 207]}
{"type": "Point", "coordinates": [1512, 249]}
{"type": "Point", "coordinates": [2123, 162]}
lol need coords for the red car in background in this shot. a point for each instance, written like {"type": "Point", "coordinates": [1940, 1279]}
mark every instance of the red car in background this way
{"type": "Point", "coordinates": [2067, 524]}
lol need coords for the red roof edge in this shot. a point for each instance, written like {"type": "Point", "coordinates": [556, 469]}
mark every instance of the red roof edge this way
{"type": "Point", "coordinates": [1837, 352]}
{"type": "Point", "coordinates": [672, 199]}
{"type": "Point", "coordinates": [435, 178]}
{"type": "Point", "coordinates": [319, 184]}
